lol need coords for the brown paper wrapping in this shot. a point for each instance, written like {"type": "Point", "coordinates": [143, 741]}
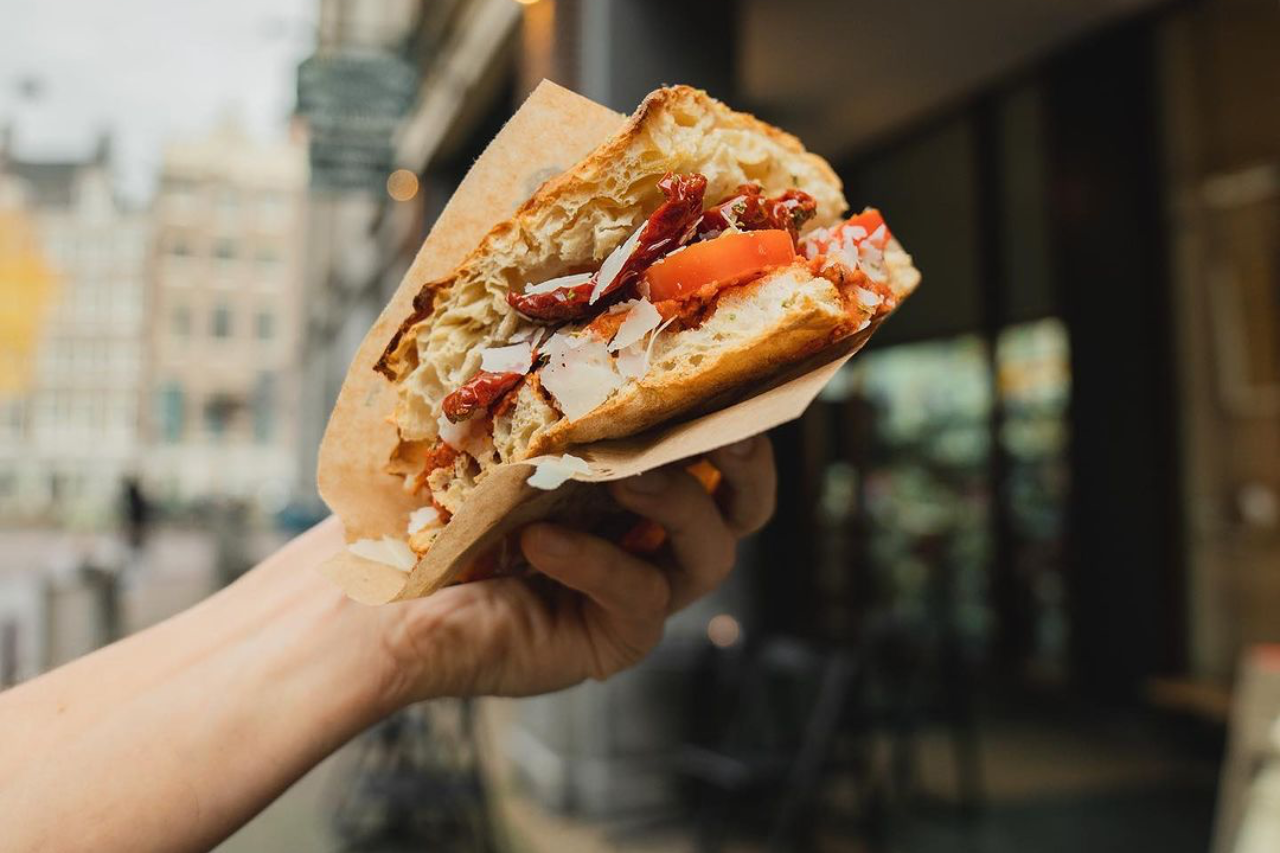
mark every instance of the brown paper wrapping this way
{"type": "Point", "coordinates": [554, 129]}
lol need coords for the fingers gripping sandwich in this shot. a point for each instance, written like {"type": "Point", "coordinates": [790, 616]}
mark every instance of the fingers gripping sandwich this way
{"type": "Point", "coordinates": [696, 252]}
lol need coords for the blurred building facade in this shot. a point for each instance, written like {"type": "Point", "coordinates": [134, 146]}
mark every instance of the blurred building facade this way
{"type": "Point", "coordinates": [347, 184]}
{"type": "Point", "coordinates": [221, 409]}
{"type": "Point", "coordinates": [71, 413]}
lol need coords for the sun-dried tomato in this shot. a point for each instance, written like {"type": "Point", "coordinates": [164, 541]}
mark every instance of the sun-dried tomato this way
{"type": "Point", "coordinates": [671, 225]}
{"type": "Point", "coordinates": [748, 210]}
{"type": "Point", "coordinates": [478, 394]}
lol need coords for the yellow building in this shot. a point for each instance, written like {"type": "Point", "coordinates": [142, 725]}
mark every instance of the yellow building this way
{"type": "Point", "coordinates": [74, 334]}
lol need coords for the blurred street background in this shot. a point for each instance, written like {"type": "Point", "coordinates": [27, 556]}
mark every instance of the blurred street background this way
{"type": "Point", "coordinates": [1025, 571]}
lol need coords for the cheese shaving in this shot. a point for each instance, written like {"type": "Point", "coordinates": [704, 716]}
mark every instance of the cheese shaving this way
{"type": "Point", "coordinates": [653, 339]}
{"type": "Point", "coordinates": [633, 361]}
{"type": "Point", "coordinates": [471, 436]}
{"type": "Point", "coordinates": [388, 550]}
{"type": "Point", "coordinates": [613, 264]}
{"type": "Point", "coordinates": [549, 285]}
{"type": "Point", "coordinates": [422, 518]}
{"type": "Point", "coordinates": [642, 319]}
{"type": "Point", "coordinates": [553, 472]}
{"type": "Point", "coordinates": [516, 358]}
{"type": "Point", "coordinates": [869, 298]}
{"type": "Point", "coordinates": [579, 373]}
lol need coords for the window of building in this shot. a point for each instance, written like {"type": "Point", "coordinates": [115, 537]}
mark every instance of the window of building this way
{"type": "Point", "coordinates": [226, 250]}
{"type": "Point", "coordinates": [228, 201]}
{"type": "Point", "coordinates": [266, 325]}
{"type": "Point", "coordinates": [220, 321]}
{"type": "Point", "coordinates": [273, 207]}
{"type": "Point", "coordinates": [180, 246]}
{"type": "Point", "coordinates": [180, 321]}
{"type": "Point", "coordinates": [269, 259]}
{"type": "Point", "coordinates": [171, 405]}
{"type": "Point", "coordinates": [11, 419]}
{"type": "Point", "coordinates": [218, 410]}
{"type": "Point", "coordinates": [264, 407]}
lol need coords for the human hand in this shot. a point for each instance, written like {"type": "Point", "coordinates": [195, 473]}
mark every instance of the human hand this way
{"type": "Point", "coordinates": [606, 609]}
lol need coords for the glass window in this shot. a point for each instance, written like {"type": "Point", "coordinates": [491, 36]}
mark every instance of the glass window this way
{"type": "Point", "coordinates": [217, 415]}
{"type": "Point", "coordinates": [273, 206]}
{"type": "Point", "coordinates": [225, 249]}
{"type": "Point", "coordinates": [266, 325]}
{"type": "Point", "coordinates": [180, 246]}
{"type": "Point", "coordinates": [264, 407]}
{"type": "Point", "coordinates": [922, 412]}
{"type": "Point", "coordinates": [220, 322]}
{"type": "Point", "coordinates": [180, 321]}
{"type": "Point", "coordinates": [171, 405]}
{"type": "Point", "coordinates": [269, 258]}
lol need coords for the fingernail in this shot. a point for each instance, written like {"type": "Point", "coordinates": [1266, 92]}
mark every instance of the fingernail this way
{"type": "Point", "coordinates": [552, 542]}
{"type": "Point", "coordinates": [648, 484]}
{"type": "Point", "coordinates": [742, 448]}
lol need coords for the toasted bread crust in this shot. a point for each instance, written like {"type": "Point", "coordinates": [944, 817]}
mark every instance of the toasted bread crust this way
{"type": "Point", "coordinates": [584, 177]}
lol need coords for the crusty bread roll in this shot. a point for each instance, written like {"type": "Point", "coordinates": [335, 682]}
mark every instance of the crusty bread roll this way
{"type": "Point", "coordinates": [570, 225]}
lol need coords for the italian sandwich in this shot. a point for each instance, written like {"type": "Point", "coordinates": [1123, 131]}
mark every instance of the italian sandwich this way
{"type": "Point", "coordinates": [697, 252]}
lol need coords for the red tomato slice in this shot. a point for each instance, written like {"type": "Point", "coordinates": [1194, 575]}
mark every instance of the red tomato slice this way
{"type": "Point", "coordinates": [721, 261]}
{"type": "Point", "coordinates": [869, 219]}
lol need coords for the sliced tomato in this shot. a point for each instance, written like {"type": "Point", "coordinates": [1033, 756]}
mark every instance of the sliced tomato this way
{"type": "Point", "coordinates": [718, 262]}
{"type": "Point", "coordinates": [870, 219]}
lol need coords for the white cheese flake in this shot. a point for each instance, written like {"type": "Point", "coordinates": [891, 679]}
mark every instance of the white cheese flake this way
{"type": "Point", "coordinates": [869, 298]}
{"type": "Point", "coordinates": [642, 319]}
{"type": "Point", "coordinates": [470, 436]}
{"type": "Point", "coordinates": [422, 518]}
{"type": "Point", "coordinates": [613, 264]}
{"type": "Point", "coordinates": [633, 361]}
{"type": "Point", "coordinates": [553, 472]}
{"type": "Point", "coordinates": [579, 373]}
{"type": "Point", "coordinates": [516, 358]}
{"type": "Point", "coordinates": [388, 550]}
{"type": "Point", "coordinates": [572, 280]}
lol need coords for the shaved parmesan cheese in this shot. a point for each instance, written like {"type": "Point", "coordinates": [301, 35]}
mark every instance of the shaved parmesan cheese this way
{"type": "Point", "coordinates": [388, 550]}
{"type": "Point", "coordinates": [613, 264]}
{"type": "Point", "coordinates": [471, 436]}
{"type": "Point", "coordinates": [642, 320]}
{"type": "Point", "coordinates": [528, 333]}
{"type": "Point", "coordinates": [871, 261]}
{"type": "Point", "coordinates": [556, 283]}
{"type": "Point", "coordinates": [633, 361]}
{"type": "Point", "coordinates": [869, 298]}
{"type": "Point", "coordinates": [813, 242]}
{"type": "Point", "coordinates": [878, 235]}
{"type": "Point", "coordinates": [653, 339]}
{"type": "Point", "coordinates": [863, 325]}
{"type": "Point", "coordinates": [517, 358]}
{"type": "Point", "coordinates": [552, 473]}
{"type": "Point", "coordinates": [422, 518]}
{"type": "Point", "coordinates": [579, 373]}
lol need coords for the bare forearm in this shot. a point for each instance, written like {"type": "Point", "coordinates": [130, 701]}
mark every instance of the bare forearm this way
{"type": "Point", "coordinates": [173, 739]}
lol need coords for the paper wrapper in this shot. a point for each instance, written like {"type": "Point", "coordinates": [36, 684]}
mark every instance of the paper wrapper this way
{"type": "Point", "coordinates": [552, 131]}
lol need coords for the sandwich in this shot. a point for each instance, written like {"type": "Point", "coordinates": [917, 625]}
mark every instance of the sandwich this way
{"type": "Point", "coordinates": [692, 256]}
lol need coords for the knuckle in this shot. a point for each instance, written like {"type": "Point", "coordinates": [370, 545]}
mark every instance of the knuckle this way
{"type": "Point", "coordinates": [657, 591]}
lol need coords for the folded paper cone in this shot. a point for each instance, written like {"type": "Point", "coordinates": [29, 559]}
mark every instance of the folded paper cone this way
{"type": "Point", "coordinates": [552, 131]}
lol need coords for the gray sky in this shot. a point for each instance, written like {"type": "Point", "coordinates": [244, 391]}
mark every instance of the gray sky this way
{"type": "Point", "coordinates": [148, 70]}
